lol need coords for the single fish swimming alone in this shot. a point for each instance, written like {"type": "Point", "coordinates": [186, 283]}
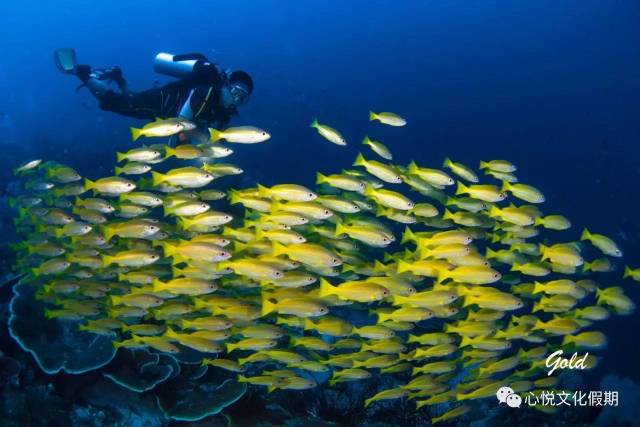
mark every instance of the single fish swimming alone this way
{"type": "Point", "coordinates": [329, 133]}
{"type": "Point", "coordinates": [387, 118]}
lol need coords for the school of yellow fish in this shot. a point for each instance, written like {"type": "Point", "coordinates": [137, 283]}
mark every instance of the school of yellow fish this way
{"type": "Point", "coordinates": [454, 292]}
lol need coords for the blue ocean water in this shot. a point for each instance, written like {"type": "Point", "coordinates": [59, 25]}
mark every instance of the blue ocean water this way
{"type": "Point", "coordinates": [550, 85]}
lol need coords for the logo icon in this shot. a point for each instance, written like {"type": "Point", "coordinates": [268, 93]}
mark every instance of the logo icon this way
{"type": "Point", "coordinates": [508, 396]}
{"type": "Point", "coordinates": [503, 393]}
{"type": "Point", "coordinates": [514, 401]}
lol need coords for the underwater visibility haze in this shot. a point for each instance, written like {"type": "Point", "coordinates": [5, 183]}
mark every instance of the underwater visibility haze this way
{"type": "Point", "coordinates": [320, 213]}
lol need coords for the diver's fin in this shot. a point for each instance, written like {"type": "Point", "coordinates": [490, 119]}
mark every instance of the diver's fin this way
{"type": "Point", "coordinates": [65, 59]}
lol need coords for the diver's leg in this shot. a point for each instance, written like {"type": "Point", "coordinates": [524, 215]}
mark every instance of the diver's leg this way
{"type": "Point", "coordinates": [96, 86]}
{"type": "Point", "coordinates": [96, 80]}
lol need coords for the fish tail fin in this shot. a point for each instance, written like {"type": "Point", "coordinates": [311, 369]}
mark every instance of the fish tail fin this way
{"type": "Point", "coordinates": [383, 317]}
{"type": "Point", "coordinates": [347, 268]}
{"type": "Point", "coordinates": [326, 288]}
{"type": "Point", "coordinates": [586, 235]}
{"type": "Point", "coordinates": [278, 249]}
{"type": "Point", "coordinates": [408, 236]}
{"type": "Point", "coordinates": [107, 232]}
{"type": "Point", "coordinates": [157, 285]}
{"type": "Point", "coordinates": [412, 168]}
{"type": "Point", "coordinates": [538, 221]}
{"type": "Point", "coordinates": [267, 307]}
{"type": "Point", "coordinates": [538, 325]}
{"type": "Point", "coordinates": [106, 260]}
{"type": "Point", "coordinates": [443, 275]}
{"type": "Point", "coordinates": [379, 267]}
{"type": "Point", "coordinates": [263, 191]}
{"type": "Point", "coordinates": [118, 171]}
{"type": "Point", "coordinates": [484, 165]}
{"type": "Point", "coordinates": [505, 186]}
{"type": "Point", "coordinates": [239, 246]}
{"type": "Point", "coordinates": [372, 116]}
{"type": "Point", "coordinates": [490, 253]}
{"type": "Point", "coordinates": [314, 123]}
{"type": "Point", "coordinates": [461, 188]}
{"type": "Point", "coordinates": [120, 156]}
{"type": "Point", "coordinates": [467, 300]}
{"type": "Point", "coordinates": [320, 178]}
{"type": "Point", "coordinates": [360, 161]}
{"type": "Point", "coordinates": [403, 266]}
{"type": "Point", "coordinates": [447, 214]}
{"type": "Point", "coordinates": [399, 300]}
{"type": "Point", "coordinates": [214, 135]}
{"type": "Point", "coordinates": [58, 232]}
{"type": "Point", "coordinates": [168, 249]}
{"type": "Point", "coordinates": [537, 287]}
{"type": "Point", "coordinates": [308, 324]}
{"type": "Point", "coordinates": [230, 347]}
{"type": "Point", "coordinates": [233, 196]}
{"type": "Point", "coordinates": [465, 341]}
{"type": "Point", "coordinates": [627, 272]}
{"type": "Point", "coordinates": [156, 178]}
{"type": "Point", "coordinates": [88, 184]}
{"type": "Point", "coordinates": [447, 162]}
{"type": "Point", "coordinates": [276, 206]}
{"type": "Point", "coordinates": [135, 133]}
{"type": "Point", "coordinates": [340, 229]}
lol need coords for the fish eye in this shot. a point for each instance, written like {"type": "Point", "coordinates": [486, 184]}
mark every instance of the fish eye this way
{"type": "Point", "coordinates": [310, 194]}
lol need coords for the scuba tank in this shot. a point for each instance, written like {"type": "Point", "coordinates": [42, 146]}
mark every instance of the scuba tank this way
{"type": "Point", "coordinates": [189, 65]}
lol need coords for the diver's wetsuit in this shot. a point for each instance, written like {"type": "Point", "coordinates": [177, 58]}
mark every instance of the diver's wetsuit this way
{"type": "Point", "coordinates": [168, 101]}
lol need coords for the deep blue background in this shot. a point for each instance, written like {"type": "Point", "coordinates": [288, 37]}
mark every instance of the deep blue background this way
{"type": "Point", "coordinates": [551, 85]}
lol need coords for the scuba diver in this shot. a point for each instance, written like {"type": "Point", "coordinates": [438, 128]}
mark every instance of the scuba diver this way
{"type": "Point", "coordinates": [205, 94]}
